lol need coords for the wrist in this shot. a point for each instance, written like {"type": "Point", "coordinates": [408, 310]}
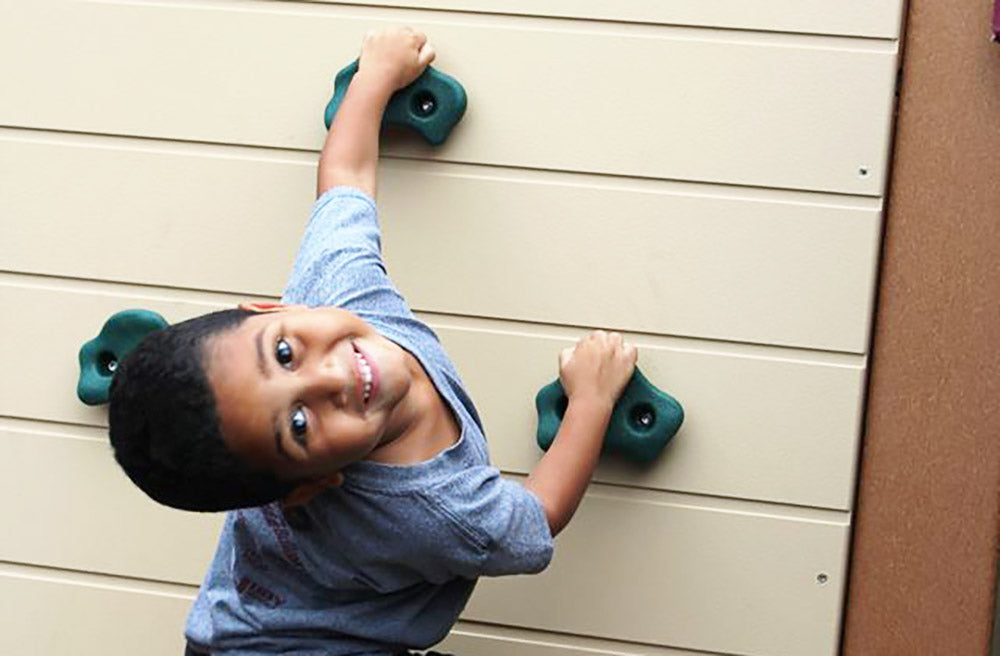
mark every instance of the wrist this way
{"type": "Point", "coordinates": [380, 85]}
{"type": "Point", "coordinates": [591, 403]}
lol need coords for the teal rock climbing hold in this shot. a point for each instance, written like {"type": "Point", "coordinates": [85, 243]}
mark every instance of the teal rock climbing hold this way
{"type": "Point", "coordinates": [431, 105]}
{"type": "Point", "coordinates": [642, 423]}
{"type": "Point", "coordinates": [99, 357]}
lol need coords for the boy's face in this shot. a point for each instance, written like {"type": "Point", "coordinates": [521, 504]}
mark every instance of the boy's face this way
{"type": "Point", "coordinates": [303, 392]}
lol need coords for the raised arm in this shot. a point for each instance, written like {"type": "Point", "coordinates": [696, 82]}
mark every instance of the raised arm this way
{"type": "Point", "coordinates": [390, 60]}
{"type": "Point", "coordinates": [593, 374]}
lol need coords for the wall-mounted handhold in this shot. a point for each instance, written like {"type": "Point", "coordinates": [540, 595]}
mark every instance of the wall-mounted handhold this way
{"type": "Point", "coordinates": [642, 423]}
{"type": "Point", "coordinates": [431, 105]}
{"type": "Point", "coordinates": [99, 357]}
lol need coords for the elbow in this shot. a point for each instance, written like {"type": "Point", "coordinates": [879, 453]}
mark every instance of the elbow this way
{"type": "Point", "coordinates": [558, 519]}
{"type": "Point", "coordinates": [339, 176]}
{"type": "Point", "coordinates": [557, 513]}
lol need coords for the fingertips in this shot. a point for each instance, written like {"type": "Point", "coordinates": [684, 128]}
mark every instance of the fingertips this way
{"type": "Point", "coordinates": [426, 54]}
{"type": "Point", "coordinates": [631, 352]}
{"type": "Point", "coordinates": [565, 355]}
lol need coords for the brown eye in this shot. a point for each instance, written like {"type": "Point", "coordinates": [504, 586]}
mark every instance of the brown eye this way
{"type": "Point", "coordinates": [299, 425]}
{"type": "Point", "coordinates": [283, 352]}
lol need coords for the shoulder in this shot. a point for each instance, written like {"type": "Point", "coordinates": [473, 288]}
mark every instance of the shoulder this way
{"type": "Point", "coordinates": [503, 527]}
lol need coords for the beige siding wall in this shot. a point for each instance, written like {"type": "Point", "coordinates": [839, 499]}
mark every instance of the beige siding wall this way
{"type": "Point", "coordinates": [707, 178]}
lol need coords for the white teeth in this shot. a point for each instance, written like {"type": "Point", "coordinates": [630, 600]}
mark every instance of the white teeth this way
{"type": "Point", "coordinates": [366, 375]}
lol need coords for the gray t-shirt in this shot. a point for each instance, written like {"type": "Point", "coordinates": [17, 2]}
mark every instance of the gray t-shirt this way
{"type": "Point", "coordinates": [388, 560]}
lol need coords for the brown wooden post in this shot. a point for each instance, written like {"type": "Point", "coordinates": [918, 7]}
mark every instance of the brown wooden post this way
{"type": "Point", "coordinates": [926, 532]}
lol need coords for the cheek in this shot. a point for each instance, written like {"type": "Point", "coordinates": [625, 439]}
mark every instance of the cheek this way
{"type": "Point", "coordinates": [339, 320]}
{"type": "Point", "coordinates": [395, 358]}
{"type": "Point", "coordinates": [346, 440]}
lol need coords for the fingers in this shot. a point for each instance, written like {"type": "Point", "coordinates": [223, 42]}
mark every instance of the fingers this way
{"type": "Point", "coordinates": [417, 39]}
{"type": "Point", "coordinates": [604, 337]}
{"type": "Point", "coordinates": [565, 355]}
{"type": "Point", "coordinates": [426, 54]}
{"type": "Point", "coordinates": [396, 55]}
{"type": "Point", "coordinates": [613, 342]}
{"type": "Point", "coordinates": [631, 353]}
{"type": "Point", "coordinates": [425, 51]}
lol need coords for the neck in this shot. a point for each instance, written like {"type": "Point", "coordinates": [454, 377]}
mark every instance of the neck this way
{"type": "Point", "coordinates": [421, 424]}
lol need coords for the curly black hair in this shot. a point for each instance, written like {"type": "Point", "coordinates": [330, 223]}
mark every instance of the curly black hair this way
{"type": "Point", "coordinates": [164, 424]}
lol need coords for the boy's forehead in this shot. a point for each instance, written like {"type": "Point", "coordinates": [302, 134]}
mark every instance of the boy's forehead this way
{"type": "Point", "coordinates": [232, 353]}
{"type": "Point", "coordinates": [224, 347]}
{"type": "Point", "coordinates": [236, 383]}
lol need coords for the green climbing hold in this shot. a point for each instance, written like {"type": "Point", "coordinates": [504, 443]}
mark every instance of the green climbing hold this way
{"type": "Point", "coordinates": [642, 423]}
{"type": "Point", "coordinates": [431, 105]}
{"type": "Point", "coordinates": [99, 357]}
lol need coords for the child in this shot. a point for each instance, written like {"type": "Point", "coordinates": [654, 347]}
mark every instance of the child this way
{"type": "Point", "coordinates": [338, 432]}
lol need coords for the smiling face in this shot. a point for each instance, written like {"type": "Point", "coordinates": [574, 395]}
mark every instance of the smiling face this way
{"type": "Point", "coordinates": [303, 392]}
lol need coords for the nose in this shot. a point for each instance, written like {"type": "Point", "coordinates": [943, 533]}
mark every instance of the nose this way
{"type": "Point", "coordinates": [326, 380]}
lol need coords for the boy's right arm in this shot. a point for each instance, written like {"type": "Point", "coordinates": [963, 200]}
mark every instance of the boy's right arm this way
{"type": "Point", "coordinates": [390, 60]}
{"type": "Point", "coordinates": [593, 374]}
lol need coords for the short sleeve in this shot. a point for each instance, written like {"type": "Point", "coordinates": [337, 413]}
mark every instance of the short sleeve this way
{"type": "Point", "coordinates": [339, 261]}
{"type": "Point", "coordinates": [501, 524]}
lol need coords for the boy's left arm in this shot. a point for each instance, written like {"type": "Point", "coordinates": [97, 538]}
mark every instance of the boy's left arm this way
{"type": "Point", "coordinates": [390, 60]}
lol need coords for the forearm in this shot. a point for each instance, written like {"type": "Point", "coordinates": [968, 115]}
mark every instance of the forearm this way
{"type": "Point", "coordinates": [350, 153]}
{"type": "Point", "coordinates": [563, 474]}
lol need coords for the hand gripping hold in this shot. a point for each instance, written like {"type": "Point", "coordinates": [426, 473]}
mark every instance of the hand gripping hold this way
{"type": "Point", "coordinates": [642, 423]}
{"type": "Point", "coordinates": [432, 104]}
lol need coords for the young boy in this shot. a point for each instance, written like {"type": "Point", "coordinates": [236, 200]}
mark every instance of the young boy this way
{"type": "Point", "coordinates": [339, 434]}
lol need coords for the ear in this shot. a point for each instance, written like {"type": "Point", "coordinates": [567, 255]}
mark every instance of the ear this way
{"type": "Point", "coordinates": [263, 307]}
{"type": "Point", "coordinates": [305, 492]}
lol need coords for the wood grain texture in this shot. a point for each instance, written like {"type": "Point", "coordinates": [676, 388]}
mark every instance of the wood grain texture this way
{"type": "Point", "coordinates": [747, 415]}
{"type": "Point", "coordinates": [763, 267]}
{"type": "Point", "coordinates": [848, 18]}
{"type": "Point", "coordinates": [665, 576]}
{"type": "Point", "coordinates": [732, 568]}
{"type": "Point", "coordinates": [718, 548]}
{"type": "Point", "coordinates": [61, 613]}
{"type": "Point", "coordinates": [474, 639]}
{"type": "Point", "coordinates": [785, 111]}
{"type": "Point", "coordinates": [148, 618]}
{"type": "Point", "coordinates": [925, 547]}
{"type": "Point", "coordinates": [750, 412]}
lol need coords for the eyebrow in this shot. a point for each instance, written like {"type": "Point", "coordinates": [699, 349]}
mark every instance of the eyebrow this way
{"type": "Point", "coordinates": [277, 442]}
{"type": "Point", "coordinates": [259, 343]}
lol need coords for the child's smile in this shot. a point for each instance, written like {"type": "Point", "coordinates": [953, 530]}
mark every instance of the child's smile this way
{"type": "Point", "coordinates": [367, 371]}
{"type": "Point", "coordinates": [304, 392]}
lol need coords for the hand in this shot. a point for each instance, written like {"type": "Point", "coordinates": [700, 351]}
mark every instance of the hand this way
{"type": "Point", "coordinates": [598, 367]}
{"type": "Point", "coordinates": [394, 57]}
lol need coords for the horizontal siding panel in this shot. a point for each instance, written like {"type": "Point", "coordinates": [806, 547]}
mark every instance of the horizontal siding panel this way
{"type": "Point", "coordinates": [674, 259]}
{"type": "Point", "coordinates": [86, 515]}
{"type": "Point", "coordinates": [48, 617]}
{"type": "Point", "coordinates": [634, 259]}
{"type": "Point", "coordinates": [851, 17]}
{"type": "Point", "coordinates": [683, 576]}
{"type": "Point", "coordinates": [782, 111]}
{"type": "Point", "coordinates": [748, 415]}
{"type": "Point", "coordinates": [90, 610]}
{"type": "Point", "coordinates": [471, 639]}
{"type": "Point", "coordinates": [657, 570]}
